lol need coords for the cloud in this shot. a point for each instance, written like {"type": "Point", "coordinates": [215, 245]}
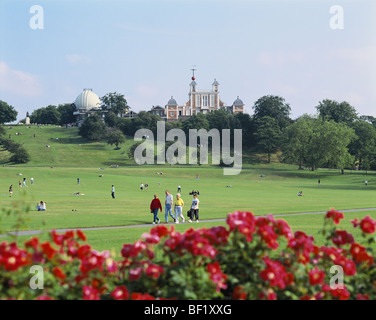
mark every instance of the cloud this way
{"type": "Point", "coordinates": [77, 58]}
{"type": "Point", "coordinates": [18, 82]}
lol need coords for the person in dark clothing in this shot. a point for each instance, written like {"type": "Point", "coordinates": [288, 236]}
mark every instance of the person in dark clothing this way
{"type": "Point", "coordinates": [155, 205]}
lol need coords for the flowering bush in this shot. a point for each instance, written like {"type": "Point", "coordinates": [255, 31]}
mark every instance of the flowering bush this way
{"type": "Point", "coordinates": [253, 258]}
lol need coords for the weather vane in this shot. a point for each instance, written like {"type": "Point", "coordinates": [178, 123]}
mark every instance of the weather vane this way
{"type": "Point", "coordinates": [193, 72]}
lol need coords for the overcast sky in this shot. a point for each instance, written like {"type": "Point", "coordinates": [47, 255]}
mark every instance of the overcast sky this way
{"type": "Point", "coordinates": [144, 49]}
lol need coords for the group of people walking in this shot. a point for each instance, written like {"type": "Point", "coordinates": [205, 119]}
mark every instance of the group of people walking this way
{"type": "Point", "coordinates": [156, 206]}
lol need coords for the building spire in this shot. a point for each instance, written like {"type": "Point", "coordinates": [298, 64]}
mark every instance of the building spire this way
{"type": "Point", "coordinates": [193, 73]}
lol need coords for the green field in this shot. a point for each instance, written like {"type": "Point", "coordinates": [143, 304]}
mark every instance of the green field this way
{"type": "Point", "coordinates": [55, 171]}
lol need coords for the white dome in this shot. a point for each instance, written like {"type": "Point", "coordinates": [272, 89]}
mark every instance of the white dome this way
{"type": "Point", "coordinates": [87, 99]}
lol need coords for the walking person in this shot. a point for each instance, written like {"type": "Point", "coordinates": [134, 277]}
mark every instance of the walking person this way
{"type": "Point", "coordinates": [32, 180]}
{"type": "Point", "coordinates": [194, 208]}
{"type": "Point", "coordinates": [179, 204]}
{"type": "Point", "coordinates": [24, 183]}
{"type": "Point", "coordinates": [319, 182]}
{"type": "Point", "coordinates": [141, 186]}
{"type": "Point", "coordinates": [179, 189]}
{"type": "Point", "coordinates": [78, 180]}
{"type": "Point", "coordinates": [168, 206]}
{"type": "Point", "coordinates": [19, 184]}
{"type": "Point", "coordinates": [366, 183]}
{"type": "Point", "coordinates": [113, 192]}
{"type": "Point", "coordinates": [11, 190]}
{"type": "Point", "coordinates": [155, 205]}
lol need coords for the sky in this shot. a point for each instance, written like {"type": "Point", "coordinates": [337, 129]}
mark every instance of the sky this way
{"type": "Point", "coordinates": [302, 50]}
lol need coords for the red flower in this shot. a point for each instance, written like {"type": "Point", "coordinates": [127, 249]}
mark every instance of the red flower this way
{"type": "Point", "coordinates": [368, 225]}
{"type": "Point", "coordinates": [135, 274]}
{"type": "Point", "coordinates": [341, 294]}
{"type": "Point", "coordinates": [48, 250]}
{"type": "Point", "coordinates": [44, 298]}
{"type": "Point", "coordinates": [58, 273]}
{"type": "Point", "coordinates": [56, 238]}
{"type": "Point", "coordinates": [362, 296]}
{"type": "Point", "coordinates": [140, 296]}
{"type": "Point", "coordinates": [160, 231]}
{"type": "Point", "coordinates": [243, 221]}
{"type": "Point", "coordinates": [239, 293]}
{"type": "Point", "coordinates": [355, 223]}
{"type": "Point", "coordinates": [81, 235]}
{"type": "Point", "coordinates": [268, 294]}
{"type": "Point", "coordinates": [275, 273]}
{"type": "Point", "coordinates": [335, 215]}
{"type": "Point", "coordinates": [359, 253]}
{"type": "Point", "coordinates": [32, 243]}
{"type": "Point", "coordinates": [120, 293]}
{"type": "Point", "coordinates": [154, 271]}
{"type": "Point", "coordinates": [316, 276]}
{"type": "Point", "coordinates": [90, 293]}
{"type": "Point", "coordinates": [342, 237]}
{"type": "Point", "coordinates": [216, 275]}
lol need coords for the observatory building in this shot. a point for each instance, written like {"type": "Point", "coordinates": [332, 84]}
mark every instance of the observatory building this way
{"type": "Point", "coordinates": [87, 103]}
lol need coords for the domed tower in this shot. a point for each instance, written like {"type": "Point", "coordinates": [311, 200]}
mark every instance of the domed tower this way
{"type": "Point", "coordinates": [87, 102]}
{"type": "Point", "coordinates": [172, 109]}
{"type": "Point", "coordinates": [237, 106]}
{"type": "Point", "coordinates": [215, 86]}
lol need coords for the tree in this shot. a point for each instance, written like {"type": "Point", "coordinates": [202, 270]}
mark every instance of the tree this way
{"type": "Point", "coordinates": [296, 139]}
{"type": "Point", "coordinates": [268, 135]}
{"type": "Point", "coordinates": [329, 145]}
{"type": "Point", "coordinates": [66, 113]}
{"type": "Point", "coordinates": [114, 102]}
{"type": "Point", "coordinates": [114, 136]}
{"type": "Point", "coordinates": [315, 142]}
{"type": "Point", "coordinates": [337, 111]}
{"type": "Point", "coordinates": [7, 113]}
{"type": "Point", "coordinates": [93, 128]}
{"type": "Point", "coordinates": [197, 121]}
{"type": "Point", "coordinates": [20, 156]}
{"type": "Point", "coordinates": [363, 147]}
{"type": "Point", "coordinates": [274, 107]}
{"type": "Point", "coordinates": [47, 115]}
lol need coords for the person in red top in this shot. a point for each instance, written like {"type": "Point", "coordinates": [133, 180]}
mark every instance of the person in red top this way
{"type": "Point", "coordinates": [155, 205]}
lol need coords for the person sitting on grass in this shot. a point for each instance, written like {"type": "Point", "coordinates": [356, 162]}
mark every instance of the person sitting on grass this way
{"type": "Point", "coordinates": [41, 206]}
{"type": "Point", "coordinates": [300, 194]}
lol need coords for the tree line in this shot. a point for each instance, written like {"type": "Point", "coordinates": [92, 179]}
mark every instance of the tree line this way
{"type": "Point", "coordinates": [335, 137]}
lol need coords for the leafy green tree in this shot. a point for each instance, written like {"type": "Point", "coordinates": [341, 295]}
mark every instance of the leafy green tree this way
{"type": "Point", "coordinates": [296, 140]}
{"type": "Point", "coordinates": [47, 115]}
{"type": "Point", "coordinates": [115, 137]}
{"type": "Point", "coordinates": [20, 156]}
{"type": "Point", "coordinates": [7, 113]}
{"type": "Point", "coordinates": [197, 121]}
{"type": "Point", "coordinates": [268, 135]}
{"type": "Point", "coordinates": [363, 147]}
{"type": "Point", "coordinates": [93, 128]}
{"type": "Point", "coordinates": [337, 111]}
{"type": "Point", "coordinates": [274, 107]}
{"type": "Point", "coordinates": [66, 113]}
{"type": "Point", "coordinates": [329, 145]}
{"type": "Point", "coordinates": [114, 102]}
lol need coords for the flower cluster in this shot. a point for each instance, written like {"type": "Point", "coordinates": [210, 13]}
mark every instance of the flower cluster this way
{"type": "Point", "coordinates": [238, 262]}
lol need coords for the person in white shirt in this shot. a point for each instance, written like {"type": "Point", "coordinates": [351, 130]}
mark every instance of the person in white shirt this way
{"type": "Point", "coordinates": [194, 208]}
{"type": "Point", "coordinates": [168, 206]}
{"type": "Point", "coordinates": [142, 186]}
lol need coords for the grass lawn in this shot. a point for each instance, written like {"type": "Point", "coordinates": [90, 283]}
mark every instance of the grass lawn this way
{"type": "Point", "coordinates": [55, 171]}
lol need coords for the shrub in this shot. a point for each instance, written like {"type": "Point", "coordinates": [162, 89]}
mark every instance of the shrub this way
{"type": "Point", "coordinates": [253, 258]}
{"type": "Point", "coordinates": [20, 156]}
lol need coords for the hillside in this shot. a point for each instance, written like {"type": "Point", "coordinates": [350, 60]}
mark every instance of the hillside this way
{"type": "Point", "coordinates": [66, 148]}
